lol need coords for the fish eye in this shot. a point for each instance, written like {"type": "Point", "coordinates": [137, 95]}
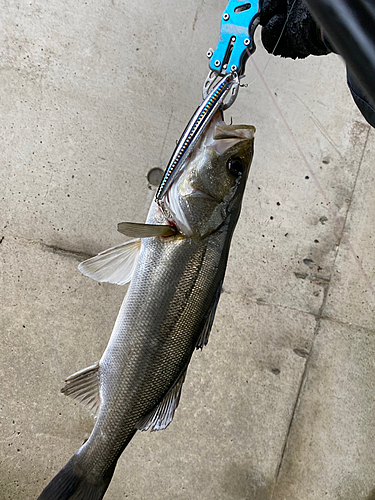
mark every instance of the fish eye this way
{"type": "Point", "coordinates": [236, 166]}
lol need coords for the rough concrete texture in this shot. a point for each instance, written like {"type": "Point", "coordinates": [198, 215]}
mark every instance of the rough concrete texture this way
{"type": "Point", "coordinates": [280, 403]}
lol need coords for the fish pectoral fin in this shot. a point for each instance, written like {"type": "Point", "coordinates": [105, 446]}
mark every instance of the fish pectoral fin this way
{"type": "Point", "coordinates": [135, 230]}
{"type": "Point", "coordinates": [161, 416]}
{"type": "Point", "coordinates": [84, 387]}
{"type": "Point", "coordinates": [115, 265]}
{"type": "Point", "coordinates": [203, 338]}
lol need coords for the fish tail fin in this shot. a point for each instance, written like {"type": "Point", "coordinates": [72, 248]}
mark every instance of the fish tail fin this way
{"type": "Point", "coordinates": [71, 484]}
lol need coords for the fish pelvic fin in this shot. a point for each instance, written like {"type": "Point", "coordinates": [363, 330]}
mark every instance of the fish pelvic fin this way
{"type": "Point", "coordinates": [115, 265]}
{"type": "Point", "coordinates": [136, 230]}
{"type": "Point", "coordinates": [162, 415]}
{"type": "Point", "coordinates": [69, 483]}
{"type": "Point", "coordinates": [84, 387]}
{"type": "Point", "coordinates": [203, 337]}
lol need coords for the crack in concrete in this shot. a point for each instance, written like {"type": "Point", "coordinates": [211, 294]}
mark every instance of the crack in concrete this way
{"type": "Point", "coordinates": [302, 384]}
{"type": "Point", "coordinates": [262, 302]}
{"type": "Point", "coordinates": [318, 315]}
{"type": "Point", "coordinates": [67, 252]}
{"type": "Point", "coordinates": [83, 256]}
{"type": "Point", "coordinates": [346, 323]}
{"type": "Point", "coordinates": [318, 321]}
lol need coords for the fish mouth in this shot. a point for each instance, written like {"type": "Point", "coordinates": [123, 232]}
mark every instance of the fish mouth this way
{"type": "Point", "coordinates": [234, 132]}
{"type": "Point", "coordinates": [220, 137]}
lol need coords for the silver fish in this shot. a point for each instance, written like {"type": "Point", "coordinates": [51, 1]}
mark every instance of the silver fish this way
{"type": "Point", "coordinates": [176, 267]}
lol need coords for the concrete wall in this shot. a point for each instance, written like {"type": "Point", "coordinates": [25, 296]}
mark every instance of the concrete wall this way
{"type": "Point", "coordinates": [280, 404]}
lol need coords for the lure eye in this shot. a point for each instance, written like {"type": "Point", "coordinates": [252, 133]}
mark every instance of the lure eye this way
{"type": "Point", "coordinates": [236, 166]}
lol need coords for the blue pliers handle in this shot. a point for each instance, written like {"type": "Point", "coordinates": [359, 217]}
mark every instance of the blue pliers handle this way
{"type": "Point", "coordinates": [236, 41]}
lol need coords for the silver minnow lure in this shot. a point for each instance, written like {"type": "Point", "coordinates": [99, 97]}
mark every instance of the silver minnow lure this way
{"type": "Point", "coordinates": [195, 128]}
{"type": "Point", "coordinates": [175, 273]}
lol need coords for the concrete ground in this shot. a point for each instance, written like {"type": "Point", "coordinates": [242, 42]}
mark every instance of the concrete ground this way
{"type": "Point", "coordinates": [280, 405]}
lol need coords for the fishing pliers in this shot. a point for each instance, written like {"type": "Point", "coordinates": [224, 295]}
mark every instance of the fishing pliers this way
{"type": "Point", "coordinates": [227, 62]}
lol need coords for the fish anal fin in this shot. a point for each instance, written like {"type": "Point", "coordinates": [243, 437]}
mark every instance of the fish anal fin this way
{"type": "Point", "coordinates": [135, 230]}
{"type": "Point", "coordinates": [115, 265]}
{"type": "Point", "coordinates": [84, 387]}
{"type": "Point", "coordinates": [162, 415]}
{"type": "Point", "coordinates": [203, 338]}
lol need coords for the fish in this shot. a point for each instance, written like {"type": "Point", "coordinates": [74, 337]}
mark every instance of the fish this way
{"type": "Point", "coordinates": [175, 263]}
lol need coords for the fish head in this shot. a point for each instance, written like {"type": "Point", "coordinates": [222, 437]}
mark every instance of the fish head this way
{"type": "Point", "coordinates": [209, 188]}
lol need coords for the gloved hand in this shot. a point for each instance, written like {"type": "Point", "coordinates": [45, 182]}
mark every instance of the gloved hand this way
{"type": "Point", "coordinates": [301, 36]}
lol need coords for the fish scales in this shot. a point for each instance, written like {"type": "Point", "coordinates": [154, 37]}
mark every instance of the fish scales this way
{"type": "Point", "coordinates": [153, 341]}
{"type": "Point", "coordinates": [167, 312]}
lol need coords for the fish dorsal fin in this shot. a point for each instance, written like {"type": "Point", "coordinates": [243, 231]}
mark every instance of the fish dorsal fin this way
{"type": "Point", "coordinates": [115, 265]}
{"type": "Point", "coordinates": [84, 387]}
{"type": "Point", "coordinates": [162, 415]}
{"type": "Point", "coordinates": [203, 338]}
{"type": "Point", "coordinates": [135, 230]}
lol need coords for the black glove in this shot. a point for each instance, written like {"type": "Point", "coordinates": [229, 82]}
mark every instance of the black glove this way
{"type": "Point", "coordinates": [301, 36]}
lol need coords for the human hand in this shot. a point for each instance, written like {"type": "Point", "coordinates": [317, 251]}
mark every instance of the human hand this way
{"type": "Point", "coordinates": [300, 37]}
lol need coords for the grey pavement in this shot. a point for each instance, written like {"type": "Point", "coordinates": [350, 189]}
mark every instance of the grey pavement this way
{"type": "Point", "coordinates": [280, 404]}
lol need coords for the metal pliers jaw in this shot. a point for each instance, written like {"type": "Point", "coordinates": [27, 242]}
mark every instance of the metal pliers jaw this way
{"type": "Point", "coordinates": [235, 45]}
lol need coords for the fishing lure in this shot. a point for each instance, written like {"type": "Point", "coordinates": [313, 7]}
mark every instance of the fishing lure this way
{"type": "Point", "coordinates": [196, 127]}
